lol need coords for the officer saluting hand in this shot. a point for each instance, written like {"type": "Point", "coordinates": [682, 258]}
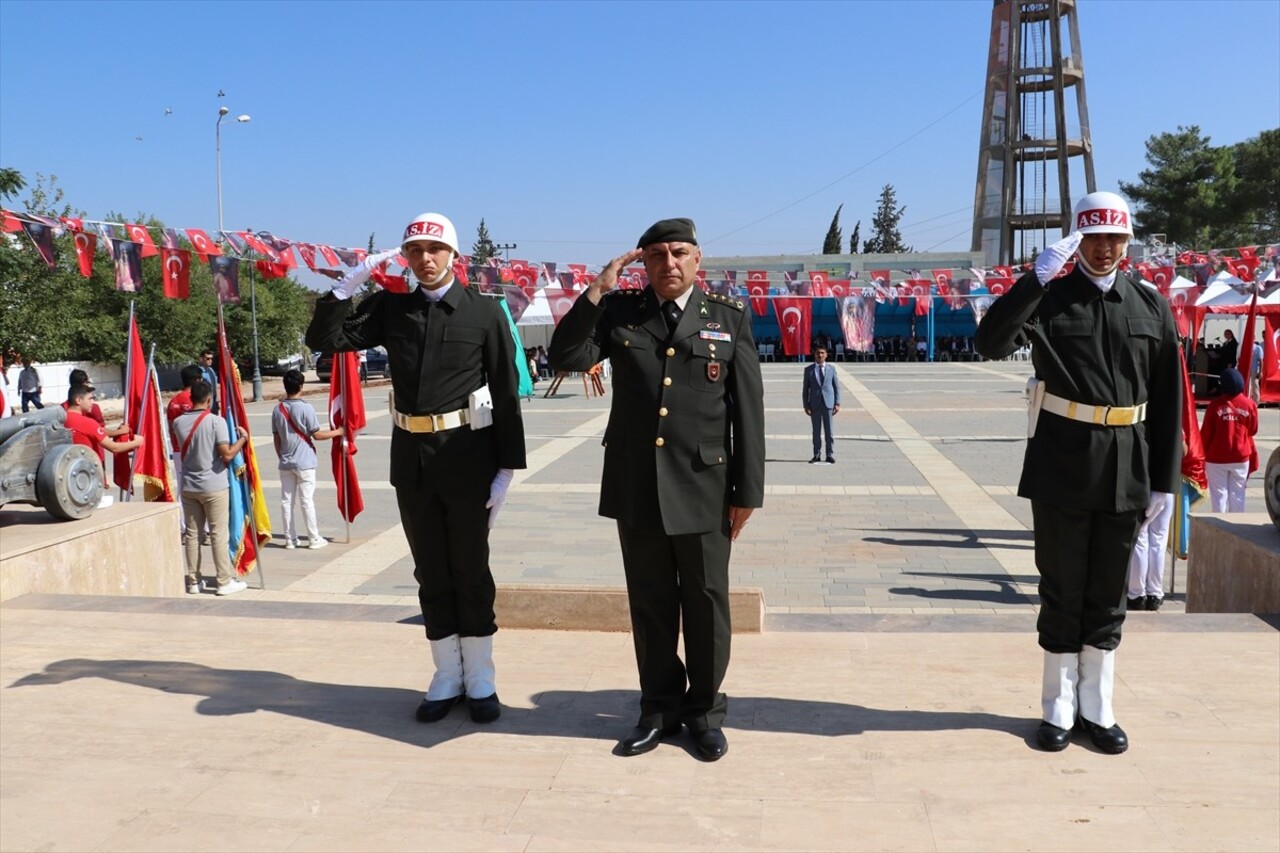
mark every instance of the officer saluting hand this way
{"type": "Point", "coordinates": [683, 468]}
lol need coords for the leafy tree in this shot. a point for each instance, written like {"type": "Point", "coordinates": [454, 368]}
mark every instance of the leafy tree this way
{"type": "Point", "coordinates": [59, 315]}
{"type": "Point", "coordinates": [11, 182]}
{"type": "Point", "coordinates": [834, 239]}
{"type": "Point", "coordinates": [484, 247]}
{"type": "Point", "coordinates": [854, 238]}
{"type": "Point", "coordinates": [885, 237]}
{"type": "Point", "coordinates": [1187, 191]}
{"type": "Point", "coordinates": [1257, 195]}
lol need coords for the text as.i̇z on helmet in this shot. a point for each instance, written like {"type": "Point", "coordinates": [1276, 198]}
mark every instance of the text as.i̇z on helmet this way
{"type": "Point", "coordinates": [1102, 216]}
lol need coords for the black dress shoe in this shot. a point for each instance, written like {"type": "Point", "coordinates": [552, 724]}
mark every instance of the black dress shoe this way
{"type": "Point", "coordinates": [1050, 738]}
{"type": "Point", "coordinates": [1111, 740]}
{"type": "Point", "coordinates": [710, 744]}
{"type": "Point", "coordinates": [485, 710]}
{"type": "Point", "coordinates": [1139, 603]}
{"type": "Point", "coordinates": [435, 710]}
{"type": "Point", "coordinates": [831, 460]}
{"type": "Point", "coordinates": [1154, 602]}
{"type": "Point", "coordinates": [814, 460]}
{"type": "Point", "coordinates": [644, 739]}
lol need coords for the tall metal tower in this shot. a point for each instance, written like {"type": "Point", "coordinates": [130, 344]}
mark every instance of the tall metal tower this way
{"type": "Point", "coordinates": [1029, 145]}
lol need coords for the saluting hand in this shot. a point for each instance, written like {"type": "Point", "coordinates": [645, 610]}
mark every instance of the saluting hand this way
{"type": "Point", "coordinates": [608, 278]}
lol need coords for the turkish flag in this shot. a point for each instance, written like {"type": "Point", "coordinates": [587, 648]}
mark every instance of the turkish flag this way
{"type": "Point", "coordinates": [269, 270]}
{"type": "Point", "coordinates": [387, 281]}
{"type": "Point", "coordinates": [1270, 390]}
{"type": "Point", "coordinates": [86, 245]}
{"type": "Point", "coordinates": [1181, 303]}
{"type": "Point", "coordinates": [818, 285]}
{"type": "Point", "coordinates": [999, 280]}
{"type": "Point", "coordinates": [524, 277]}
{"type": "Point", "coordinates": [12, 224]}
{"type": "Point", "coordinates": [460, 265]}
{"type": "Point", "coordinates": [282, 248]}
{"type": "Point", "coordinates": [919, 289]}
{"type": "Point", "coordinates": [308, 253]}
{"type": "Point", "coordinates": [942, 280]}
{"type": "Point", "coordinates": [203, 246]}
{"type": "Point", "coordinates": [840, 287]}
{"type": "Point", "coordinates": [251, 240]}
{"type": "Point", "coordinates": [1242, 268]}
{"type": "Point", "coordinates": [176, 264]}
{"type": "Point", "coordinates": [330, 257]}
{"type": "Point", "coordinates": [135, 383]}
{"type": "Point", "coordinates": [579, 274]}
{"type": "Point", "coordinates": [758, 290]}
{"type": "Point", "coordinates": [346, 410]}
{"type": "Point", "coordinates": [140, 235]}
{"type": "Point", "coordinates": [880, 280]}
{"type": "Point", "coordinates": [795, 321]}
{"type": "Point", "coordinates": [633, 278]}
{"type": "Point", "coordinates": [560, 300]}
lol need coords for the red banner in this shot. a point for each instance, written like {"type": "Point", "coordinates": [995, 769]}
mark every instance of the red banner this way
{"type": "Point", "coordinates": [139, 234]}
{"type": "Point", "coordinates": [758, 288]}
{"type": "Point", "coordinates": [346, 410]}
{"type": "Point", "coordinates": [795, 320]}
{"type": "Point", "coordinates": [176, 265]}
{"type": "Point", "coordinates": [560, 300]}
{"type": "Point", "coordinates": [203, 245]}
{"type": "Point", "coordinates": [135, 381]}
{"type": "Point", "coordinates": [1270, 389]}
{"type": "Point", "coordinates": [86, 245]}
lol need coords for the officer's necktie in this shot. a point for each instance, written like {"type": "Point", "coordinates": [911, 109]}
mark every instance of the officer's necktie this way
{"type": "Point", "coordinates": [671, 312]}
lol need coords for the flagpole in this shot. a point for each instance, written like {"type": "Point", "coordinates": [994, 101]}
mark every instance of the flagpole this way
{"type": "Point", "coordinates": [146, 398]}
{"type": "Point", "coordinates": [344, 500]}
{"type": "Point", "coordinates": [128, 357]}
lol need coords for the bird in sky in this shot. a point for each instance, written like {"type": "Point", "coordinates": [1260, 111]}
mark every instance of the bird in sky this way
{"type": "Point", "coordinates": [137, 138]}
{"type": "Point", "coordinates": [221, 94]}
{"type": "Point", "coordinates": [168, 111]}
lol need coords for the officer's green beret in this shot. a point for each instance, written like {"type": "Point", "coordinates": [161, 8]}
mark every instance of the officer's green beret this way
{"type": "Point", "coordinates": [669, 231]}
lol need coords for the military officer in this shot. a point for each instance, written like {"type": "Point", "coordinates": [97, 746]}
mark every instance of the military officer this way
{"type": "Point", "coordinates": [1104, 451]}
{"type": "Point", "coordinates": [445, 343]}
{"type": "Point", "coordinates": [683, 468]}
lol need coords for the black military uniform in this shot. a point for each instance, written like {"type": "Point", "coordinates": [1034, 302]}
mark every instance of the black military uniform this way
{"type": "Point", "coordinates": [685, 441]}
{"type": "Point", "coordinates": [439, 353]}
{"type": "Point", "coordinates": [1090, 484]}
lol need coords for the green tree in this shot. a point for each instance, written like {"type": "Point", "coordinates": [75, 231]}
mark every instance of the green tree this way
{"type": "Point", "coordinates": [483, 249]}
{"type": "Point", "coordinates": [11, 183]}
{"type": "Point", "coordinates": [1187, 191]}
{"type": "Point", "coordinates": [1257, 194]}
{"type": "Point", "coordinates": [854, 238]}
{"type": "Point", "coordinates": [832, 243]}
{"type": "Point", "coordinates": [885, 237]}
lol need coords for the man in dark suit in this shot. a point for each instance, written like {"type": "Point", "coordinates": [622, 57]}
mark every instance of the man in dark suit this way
{"type": "Point", "coordinates": [821, 399]}
{"type": "Point", "coordinates": [683, 468]}
{"type": "Point", "coordinates": [445, 343]}
{"type": "Point", "coordinates": [1104, 451]}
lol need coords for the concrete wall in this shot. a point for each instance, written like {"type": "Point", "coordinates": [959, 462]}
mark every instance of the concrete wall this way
{"type": "Point", "coordinates": [1234, 564]}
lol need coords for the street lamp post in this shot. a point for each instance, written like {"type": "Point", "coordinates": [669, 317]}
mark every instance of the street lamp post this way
{"type": "Point", "coordinates": [253, 295]}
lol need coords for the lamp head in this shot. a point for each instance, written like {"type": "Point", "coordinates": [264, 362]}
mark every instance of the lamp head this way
{"type": "Point", "coordinates": [244, 118]}
{"type": "Point", "coordinates": [223, 111]}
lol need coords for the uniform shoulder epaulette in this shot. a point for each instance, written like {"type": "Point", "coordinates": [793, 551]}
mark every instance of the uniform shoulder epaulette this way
{"type": "Point", "coordinates": [627, 291]}
{"type": "Point", "coordinates": [724, 300]}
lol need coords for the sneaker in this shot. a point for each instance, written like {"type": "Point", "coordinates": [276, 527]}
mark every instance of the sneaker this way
{"type": "Point", "coordinates": [317, 544]}
{"type": "Point", "coordinates": [814, 461]}
{"type": "Point", "coordinates": [291, 544]}
{"type": "Point", "coordinates": [194, 588]}
{"type": "Point", "coordinates": [232, 587]}
{"type": "Point", "coordinates": [831, 460]}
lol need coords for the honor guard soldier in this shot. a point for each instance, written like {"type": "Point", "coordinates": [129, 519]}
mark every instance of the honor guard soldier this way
{"type": "Point", "coordinates": [683, 468]}
{"type": "Point", "coordinates": [450, 352]}
{"type": "Point", "coordinates": [1103, 453]}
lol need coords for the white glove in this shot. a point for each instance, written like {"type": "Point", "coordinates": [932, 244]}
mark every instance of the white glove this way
{"type": "Point", "coordinates": [1051, 261]}
{"type": "Point", "coordinates": [498, 493]}
{"type": "Point", "coordinates": [352, 279]}
{"type": "Point", "coordinates": [1159, 501]}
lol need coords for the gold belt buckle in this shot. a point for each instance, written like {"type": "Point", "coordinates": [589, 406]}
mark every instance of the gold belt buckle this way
{"type": "Point", "coordinates": [1118, 416]}
{"type": "Point", "coordinates": [437, 423]}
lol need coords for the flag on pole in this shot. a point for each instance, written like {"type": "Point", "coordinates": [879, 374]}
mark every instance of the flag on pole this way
{"type": "Point", "coordinates": [346, 410]}
{"type": "Point", "coordinates": [153, 461]}
{"type": "Point", "coordinates": [248, 505]}
{"type": "Point", "coordinates": [795, 318]}
{"type": "Point", "coordinates": [135, 382]}
{"type": "Point", "coordinates": [1193, 484]}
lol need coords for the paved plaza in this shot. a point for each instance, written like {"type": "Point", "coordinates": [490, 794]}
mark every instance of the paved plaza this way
{"type": "Point", "coordinates": [890, 703]}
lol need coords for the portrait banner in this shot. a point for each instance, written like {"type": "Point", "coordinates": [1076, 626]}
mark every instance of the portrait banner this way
{"type": "Point", "coordinates": [226, 279]}
{"type": "Point", "coordinates": [128, 260]}
{"type": "Point", "coordinates": [858, 321]}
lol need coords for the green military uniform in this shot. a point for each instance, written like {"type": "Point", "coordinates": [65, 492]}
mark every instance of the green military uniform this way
{"type": "Point", "coordinates": [1090, 484]}
{"type": "Point", "coordinates": [685, 440]}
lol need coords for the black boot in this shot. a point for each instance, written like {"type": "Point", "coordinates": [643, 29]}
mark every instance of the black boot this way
{"type": "Point", "coordinates": [1050, 738]}
{"type": "Point", "coordinates": [1112, 741]}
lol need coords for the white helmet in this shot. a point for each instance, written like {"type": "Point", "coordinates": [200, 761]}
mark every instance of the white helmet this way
{"type": "Point", "coordinates": [1102, 213]}
{"type": "Point", "coordinates": [435, 227]}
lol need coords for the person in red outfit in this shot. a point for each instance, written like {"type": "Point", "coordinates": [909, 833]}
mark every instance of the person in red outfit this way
{"type": "Point", "coordinates": [1230, 455]}
{"type": "Point", "coordinates": [85, 430]}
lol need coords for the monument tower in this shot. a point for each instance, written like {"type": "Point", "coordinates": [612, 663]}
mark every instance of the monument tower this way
{"type": "Point", "coordinates": [1030, 144]}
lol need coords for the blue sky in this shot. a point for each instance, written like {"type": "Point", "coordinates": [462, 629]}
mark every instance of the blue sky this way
{"type": "Point", "coordinates": [570, 127]}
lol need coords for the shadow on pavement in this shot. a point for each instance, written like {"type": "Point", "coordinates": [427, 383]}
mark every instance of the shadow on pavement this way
{"type": "Point", "coordinates": [388, 711]}
{"type": "Point", "coordinates": [1005, 590]}
{"type": "Point", "coordinates": [958, 538]}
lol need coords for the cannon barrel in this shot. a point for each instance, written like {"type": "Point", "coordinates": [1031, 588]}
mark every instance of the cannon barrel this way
{"type": "Point", "coordinates": [53, 416]}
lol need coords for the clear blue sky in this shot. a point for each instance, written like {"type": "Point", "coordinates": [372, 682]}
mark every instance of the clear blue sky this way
{"type": "Point", "coordinates": [570, 127]}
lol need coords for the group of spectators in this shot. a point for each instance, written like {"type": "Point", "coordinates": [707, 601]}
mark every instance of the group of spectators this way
{"type": "Point", "coordinates": [539, 368]}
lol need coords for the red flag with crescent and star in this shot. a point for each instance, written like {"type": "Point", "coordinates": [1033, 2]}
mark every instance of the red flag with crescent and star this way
{"type": "Point", "coordinates": [329, 255]}
{"type": "Point", "coordinates": [560, 300]}
{"type": "Point", "coordinates": [308, 253]}
{"type": "Point", "coordinates": [819, 283]}
{"type": "Point", "coordinates": [999, 280]}
{"type": "Point", "coordinates": [176, 264]}
{"type": "Point", "coordinates": [758, 290]}
{"type": "Point", "coordinates": [919, 288]}
{"type": "Point", "coordinates": [1270, 385]}
{"type": "Point", "coordinates": [86, 244]}
{"type": "Point", "coordinates": [1242, 268]}
{"type": "Point", "coordinates": [203, 245]}
{"type": "Point", "coordinates": [140, 235]}
{"type": "Point", "coordinates": [795, 321]}
{"type": "Point", "coordinates": [839, 287]}
{"type": "Point", "coordinates": [524, 277]}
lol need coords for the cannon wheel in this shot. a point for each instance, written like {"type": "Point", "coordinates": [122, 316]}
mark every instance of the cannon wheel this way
{"type": "Point", "coordinates": [69, 481]}
{"type": "Point", "coordinates": [1271, 487]}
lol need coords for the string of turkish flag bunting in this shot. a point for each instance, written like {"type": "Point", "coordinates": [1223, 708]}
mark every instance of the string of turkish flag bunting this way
{"type": "Point", "coordinates": [520, 280]}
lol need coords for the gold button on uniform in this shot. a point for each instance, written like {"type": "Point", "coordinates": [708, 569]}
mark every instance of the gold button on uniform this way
{"type": "Point", "coordinates": [671, 351]}
{"type": "Point", "coordinates": [666, 380]}
{"type": "Point", "coordinates": [660, 441]}
{"type": "Point", "coordinates": [662, 413]}
{"type": "Point", "coordinates": [711, 347]}
{"type": "Point", "coordinates": [626, 343]}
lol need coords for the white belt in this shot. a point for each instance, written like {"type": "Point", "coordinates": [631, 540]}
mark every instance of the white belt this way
{"type": "Point", "coordinates": [430, 423]}
{"type": "Point", "coordinates": [1091, 414]}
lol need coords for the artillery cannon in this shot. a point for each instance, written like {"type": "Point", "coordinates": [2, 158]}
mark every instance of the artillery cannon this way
{"type": "Point", "coordinates": [40, 464]}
